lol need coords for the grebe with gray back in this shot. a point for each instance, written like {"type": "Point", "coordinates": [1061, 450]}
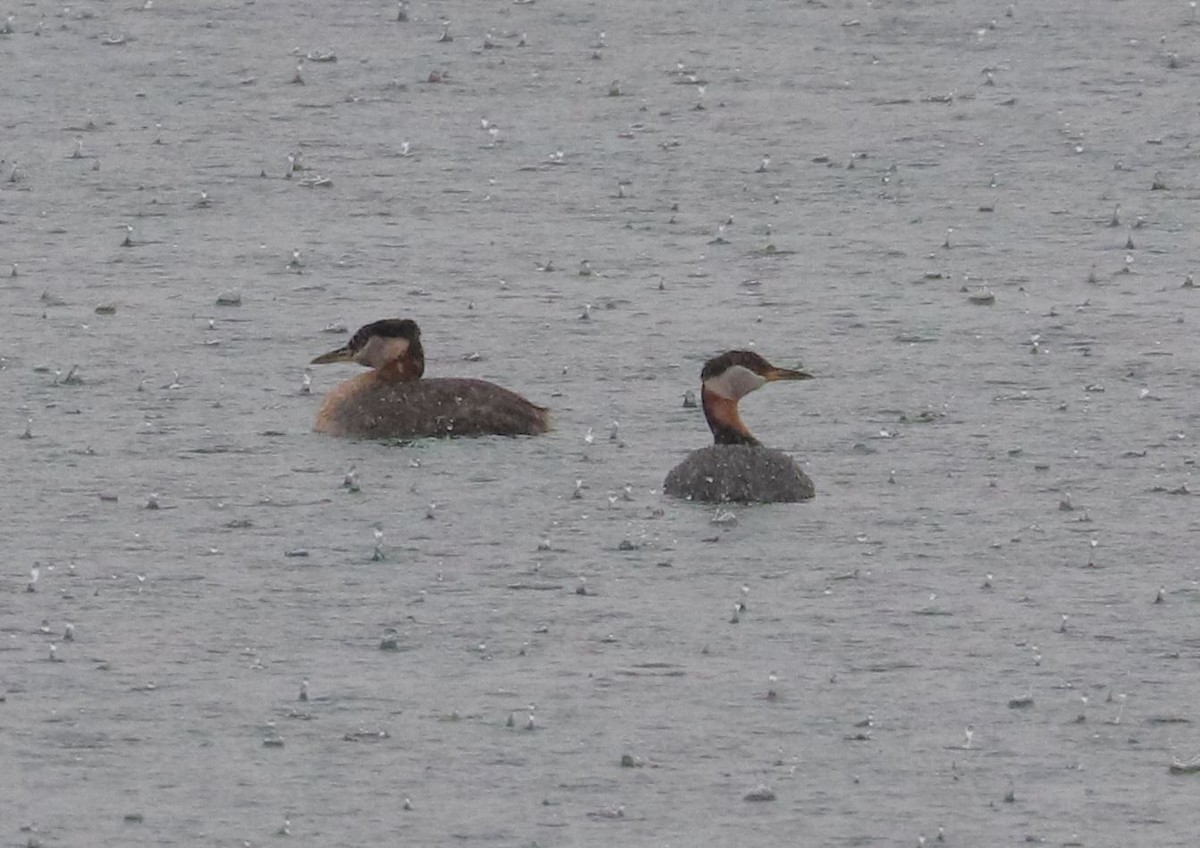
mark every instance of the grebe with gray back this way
{"type": "Point", "coordinates": [737, 467]}
{"type": "Point", "coordinates": [393, 401]}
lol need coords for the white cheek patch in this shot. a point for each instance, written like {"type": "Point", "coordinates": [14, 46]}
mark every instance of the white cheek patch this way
{"type": "Point", "coordinates": [379, 351]}
{"type": "Point", "coordinates": [734, 383]}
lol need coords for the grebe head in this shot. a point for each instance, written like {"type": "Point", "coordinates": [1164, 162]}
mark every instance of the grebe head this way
{"type": "Point", "coordinates": [391, 346]}
{"type": "Point", "coordinates": [728, 378]}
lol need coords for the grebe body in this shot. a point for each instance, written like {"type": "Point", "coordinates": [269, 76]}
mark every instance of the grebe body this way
{"type": "Point", "coordinates": [394, 401]}
{"type": "Point", "coordinates": [737, 467]}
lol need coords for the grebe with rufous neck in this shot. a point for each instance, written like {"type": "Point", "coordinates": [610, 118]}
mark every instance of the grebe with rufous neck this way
{"type": "Point", "coordinates": [394, 401]}
{"type": "Point", "coordinates": [737, 467]}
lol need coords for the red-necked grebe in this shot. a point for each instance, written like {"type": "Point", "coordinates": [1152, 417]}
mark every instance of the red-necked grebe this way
{"type": "Point", "coordinates": [737, 467]}
{"type": "Point", "coordinates": [393, 401]}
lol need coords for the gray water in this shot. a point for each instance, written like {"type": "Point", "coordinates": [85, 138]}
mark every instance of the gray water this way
{"type": "Point", "coordinates": [946, 445]}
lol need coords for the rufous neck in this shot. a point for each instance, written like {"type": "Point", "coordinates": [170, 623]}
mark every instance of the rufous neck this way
{"type": "Point", "coordinates": [723, 419]}
{"type": "Point", "coordinates": [409, 367]}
